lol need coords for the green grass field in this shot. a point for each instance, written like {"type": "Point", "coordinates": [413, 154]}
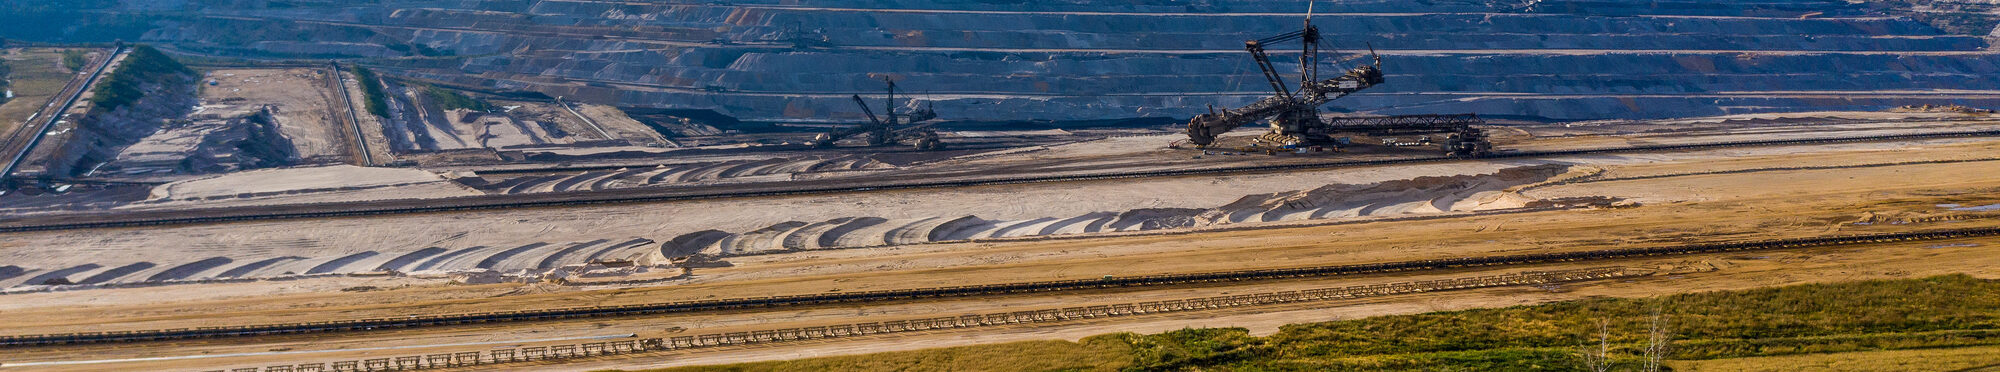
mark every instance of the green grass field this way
{"type": "Point", "coordinates": [36, 74]}
{"type": "Point", "coordinates": [1974, 358]}
{"type": "Point", "coordinates": [1871, 325]}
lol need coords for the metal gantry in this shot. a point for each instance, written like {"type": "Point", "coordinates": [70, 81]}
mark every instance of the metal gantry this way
{"type": "Point", "coordinates": [1294, 114]}
{"type": "Point", "coordinates": [881, 132]}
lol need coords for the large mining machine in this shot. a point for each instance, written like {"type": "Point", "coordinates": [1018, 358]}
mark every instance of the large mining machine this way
{"type": "Point", "coordinates": [886, 132]}
{"type": "Point", "coordinates": [1294, 114]}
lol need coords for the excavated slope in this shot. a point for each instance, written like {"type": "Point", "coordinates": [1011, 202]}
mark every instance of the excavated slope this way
{"type": "Point", "coordinates": [992, 60]}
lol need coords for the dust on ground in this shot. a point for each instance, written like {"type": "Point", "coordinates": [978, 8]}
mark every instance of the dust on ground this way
{"type": "Point", "coordinates": [302, 101]}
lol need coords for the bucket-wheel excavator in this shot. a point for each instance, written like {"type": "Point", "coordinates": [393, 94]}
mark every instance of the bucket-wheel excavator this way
{"type": "Point", "coordinates": [881, 132]}
{"type": "Point", "coordinates": [1294, 114]}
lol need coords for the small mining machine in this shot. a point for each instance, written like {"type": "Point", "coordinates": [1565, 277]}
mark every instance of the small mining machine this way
{"type": "Point", "coordinates": [1294, 114]}
{"type": "Point", "coordinates": [886, 132]}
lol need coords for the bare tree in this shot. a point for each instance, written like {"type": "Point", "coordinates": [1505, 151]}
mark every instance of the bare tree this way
{"type": "Point", "coordinates": [1599, 360]}
{"type": "Point", "coordinates": [1657, 341]}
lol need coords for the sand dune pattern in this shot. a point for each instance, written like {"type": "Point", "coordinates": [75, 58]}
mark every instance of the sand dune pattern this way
{"type": "Point", "coordinates": [668, 174]}
{"type": "Point", "coordinates": [528, 258]}
{"type": "Point", "coordinates": [1417, 196]}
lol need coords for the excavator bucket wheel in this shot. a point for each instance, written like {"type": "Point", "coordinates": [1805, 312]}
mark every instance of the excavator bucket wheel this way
{"type": "Point", "coordinates": [1465, 147]}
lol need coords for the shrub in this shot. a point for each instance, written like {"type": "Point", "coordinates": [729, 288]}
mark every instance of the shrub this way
{"type": "Point", "coordinates": [450, 100]}
{"type": "Point", "coordinates": [144, 66]}
{"type": "Point", "coordinates": [373, 96]}
{"type": "Point", "coordinates": [74, 59]}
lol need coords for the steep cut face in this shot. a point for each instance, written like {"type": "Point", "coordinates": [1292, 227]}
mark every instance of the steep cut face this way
{"type": "Point", "coordinates": [1077, 60]}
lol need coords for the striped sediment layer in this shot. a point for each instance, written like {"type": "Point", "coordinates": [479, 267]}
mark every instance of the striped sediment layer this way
{"type": "Point", "coordinates": [1416, 196]}
{"type": "Point", "coordinates": [1404, 197]}
{"type": "Point", "coordinates": [669, 174]}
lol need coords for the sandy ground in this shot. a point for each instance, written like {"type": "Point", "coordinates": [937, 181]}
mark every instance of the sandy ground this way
{"type": "Point", "coordinates": [299, 99]}
{"type": "Point", "coordinates": [376, 142]}
{"type": "Point", "coordinates": [619, 125]}
{"type": "Point", "coordinates": [1682, 274]}
{"type": "Point", "coordinates": [527, 239]}
{"type": "Point", "coordinates": [486, 234]}
{"type": "Point", "coordinates": [1699, 217]}
{"type": "Point", "coordinates": [245, 188]}
{"type": "Point", "coordinates": [1711, 195]}
{"type": "Point", "coordinates": [574, 128]}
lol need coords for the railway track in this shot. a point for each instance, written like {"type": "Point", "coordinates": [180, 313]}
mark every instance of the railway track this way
{"type": "Point", "coordinates": [49, 115]}
{"type": "Point", "coordinates": [979, 290]}
{"type": "Point", "coordinates": [627, 196]}
{"type": "Point", "coordinates": [353, 118]}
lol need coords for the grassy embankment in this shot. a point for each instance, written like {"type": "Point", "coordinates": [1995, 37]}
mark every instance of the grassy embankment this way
{"type": "Point", "coordinates": [144, 66]}
{"type": "Point", "coordinates": [74, 59]}
{"type": "Point", "coordinates": [373, 97]}
{"type": "Point", "coordinates": [450, 100]}
{"type": "Point", "coordinates": [1946, 322]}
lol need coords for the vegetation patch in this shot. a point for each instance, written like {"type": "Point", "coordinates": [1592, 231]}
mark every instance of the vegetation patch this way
{"type": "Point", "coordinates": [74, 59]}
{"type": "Point", "coordinates": [145, 66]}
{"type": "Point", "coordinates": [1613, 333]}
{"type": "Point", "coordinates": [450, 100]}
{"type": "Point", "coordinates": [373, 96]}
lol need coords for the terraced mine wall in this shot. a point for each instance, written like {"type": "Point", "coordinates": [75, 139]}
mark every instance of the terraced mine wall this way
{"type": "Point", "coordinates": [1084, 60]}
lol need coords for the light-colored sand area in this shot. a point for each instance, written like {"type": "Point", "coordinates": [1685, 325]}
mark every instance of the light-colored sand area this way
{"type": "Point", "coordinates": [1748, 127]}
{"type": "Point", "coordinates": [292, 179]}
{"type": "Point", "coordinates": [1682, 274]}
{"type": "Point", "coordinates": [1415, 196]}
{"type": "Point", "coordinates": [542, 238]}
{"type": "Point", "coordinates": [523, 125]}
{"type": "Point", "coordinates": [301, 101]}
{"type": "Point", "coordinates": [473, 241]}
{"type": "Point", "coordinates": [733, 171]}
{"type": "Point", "coordinates": [329, 183]}
{"type": "Point", "coordinates": [1125, 153]}
{"type": "Point", "coordinates": [1743, 206]}
{"type": "Point", "coordinates": [372, 127]}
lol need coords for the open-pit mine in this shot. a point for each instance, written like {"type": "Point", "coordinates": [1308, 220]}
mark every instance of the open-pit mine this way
{"type": "Point", "coordinates": [580, 185]}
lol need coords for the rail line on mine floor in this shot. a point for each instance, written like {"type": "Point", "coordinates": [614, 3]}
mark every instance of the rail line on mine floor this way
{"type": "Point", "coordinates": [475, 203]}
{"type": "Point", "coordinates": [56, 109]}
{"type": "Point", "coordinates": [980, 290]}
